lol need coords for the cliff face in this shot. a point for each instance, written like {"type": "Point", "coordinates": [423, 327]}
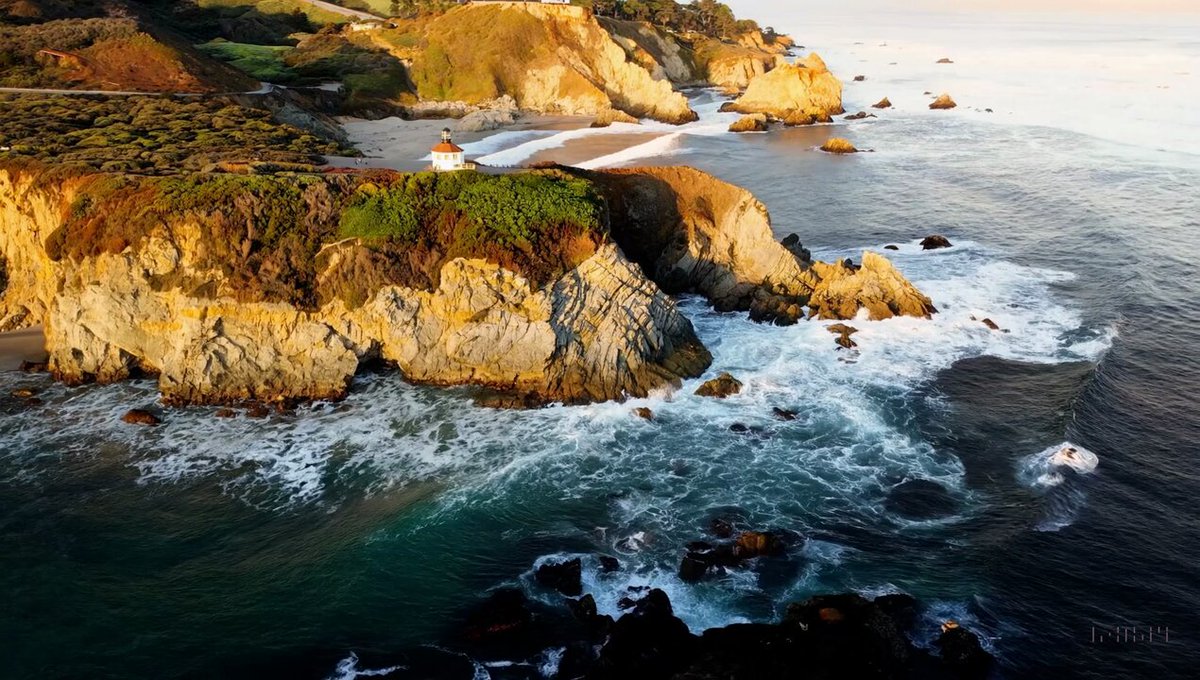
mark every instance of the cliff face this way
{"type": "Point", "coordinates": [706, 62]}
{"type": "Point", "coordinates": [600, 331]}
{"type": "Point", "coordinates": [549, 58]}
{"type": "Point", "coordinates": [693, 233]}
{"type": "Point", "coordinates": [806, 88]}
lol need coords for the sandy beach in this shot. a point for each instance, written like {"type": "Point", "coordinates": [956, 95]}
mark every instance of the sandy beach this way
{"type": "Point", "coordinates": [401, 144]}
{"type": "Point", "coordinates": [26, 344]}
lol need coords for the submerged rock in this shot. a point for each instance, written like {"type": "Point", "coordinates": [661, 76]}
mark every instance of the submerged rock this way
{"type": "Point", "coordinates": [720, 387]}
{"type": "Point", "coordinates": [754, 122]}
{"type": "Point", "coordinates": [891, 247]}
{"type": "Point", "coordinates": [934, 242]}
{"type": "Point", "coordinates": [943, 102]}
{"type": "Point", "coordinates": [783, 413]}
{"type": "Point", "coordinates": [139, 416]}
{"type": "Point", "coordinates": [858, 116]}
{"type": "Point", "coordinates": [921, 499]}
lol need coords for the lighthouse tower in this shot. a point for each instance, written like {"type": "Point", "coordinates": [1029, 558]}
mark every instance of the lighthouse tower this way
{"type": "Point", "coordinates": [449, 156]}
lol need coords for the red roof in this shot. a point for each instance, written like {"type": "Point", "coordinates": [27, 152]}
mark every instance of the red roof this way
{"type": "Point", "coordinates": [446, 147]}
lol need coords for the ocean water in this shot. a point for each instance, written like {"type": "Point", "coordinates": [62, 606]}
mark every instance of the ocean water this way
{"type": "Point", "coordinates": [347, 539]}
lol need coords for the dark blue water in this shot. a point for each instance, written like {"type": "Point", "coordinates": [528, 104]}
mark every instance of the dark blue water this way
{"type": "Point", "coordinates": [210, 547]}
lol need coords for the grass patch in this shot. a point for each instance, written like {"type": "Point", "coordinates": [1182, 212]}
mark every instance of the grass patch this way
{"type": "Point", "coordinates": [261, 62]}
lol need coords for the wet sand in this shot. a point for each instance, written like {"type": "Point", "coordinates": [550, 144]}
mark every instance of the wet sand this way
{"type": "Point", "coordinates": [581, 150]}
{"type": "Point", "coordinates": [27, 344]}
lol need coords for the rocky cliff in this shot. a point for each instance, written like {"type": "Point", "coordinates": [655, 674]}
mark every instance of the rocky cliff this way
{"type": "Point", "coordinates": [279, 288]}
{"type": "Point", "coordinates": [691, 232]}
{"type": "Point", "coordinates": [805, 88]}
{"type": "Point", "coordinates": [549, 58]}
{"type": "Point", "coordinates": [160, 306]}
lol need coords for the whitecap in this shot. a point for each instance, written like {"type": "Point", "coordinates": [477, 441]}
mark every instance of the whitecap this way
{"type": "Point", "coordinates": [347, 669]}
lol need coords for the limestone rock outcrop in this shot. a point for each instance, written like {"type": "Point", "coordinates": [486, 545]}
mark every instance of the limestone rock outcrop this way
{"type": "Point", "coordinates": [806, 87]}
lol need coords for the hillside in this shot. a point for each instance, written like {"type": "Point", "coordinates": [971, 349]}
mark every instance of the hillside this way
{"type": "Point", "coordinates": [109, 53]}
{"type": "Point", "coordinates": [548, 58]}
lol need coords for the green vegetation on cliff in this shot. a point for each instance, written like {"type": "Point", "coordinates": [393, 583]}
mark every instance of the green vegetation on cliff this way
{"type": "Point", "coordinates": [150, 135]}
{"type": "Point", "coordinates": [265, 234]}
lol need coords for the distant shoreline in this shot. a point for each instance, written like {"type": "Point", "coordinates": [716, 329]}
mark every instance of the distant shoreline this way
{"type": "Point", "coordinates": [25, 344]}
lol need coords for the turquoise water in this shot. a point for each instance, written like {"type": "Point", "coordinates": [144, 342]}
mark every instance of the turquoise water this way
{"type": "Point", "coordinates": [235, 548]}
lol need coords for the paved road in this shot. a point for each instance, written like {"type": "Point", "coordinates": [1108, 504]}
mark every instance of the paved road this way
{"type": "Point", "coordinates": [346, 12]}
{"type": "Point", "coordinates": [263, 88]}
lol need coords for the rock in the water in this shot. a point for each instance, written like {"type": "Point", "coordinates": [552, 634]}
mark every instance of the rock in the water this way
{"type": "Point", "coordinates": [991, 324]}
{"type": "Point", "coordinates": [934, 242]}
{"type": "Point", "coordinates": [806, 86]}
{"type": "Point", "coordinates": [945, 60]}
{"type": "Point", "coordinates": [799, 119]}
{"type": "Point", "coordinates": [943, 102]}
{"type": "Point", "coordinates": [721, 528]}
{"type": "Point", "coordinates": [858, 116]}
{"type": "Point", "coordinates": [692, 568]}
{"type": "Point", "coordinates": [504, 615]}
{"type": "Point", "coordinates": [23, 393]}
{"type": "Point", "coordinates": [34, 366]}
{"type": "Point", "coordinates": [783, 413]}
{"type": "Point", "coordinates": [139, 416]}
{"type": "Point", "coordinates": [739, 428]}
{"type": "Point", "coordinates": [565, 577]}
{"type": "Point", "coordinates": [608, 563]}
{"type": "Point", "coordinates": [921, 499]}
{"type": "Point", "coordinates": [891, 247]}
{"type": "Point", "coordinates": [884, 103]}
{"type": "Point", "coordinates": [751, 544]}
{"type": "Point", "coordinates": [859, 79]}
{"type": "Point", "coordinates": [643, 413]}
{"type": "Point", "coordinates": [754, 122]}
{"type": "Point", "coordinates": [257, 411]}
{"type": "Point", "coordinates": [720, 387]}
{"type": "Point", "coordinates": [609, 116]}
{"type": "Point", "coordinates": [875, 286]}
{"type": "Point", "coordinates": [962, 653]}
{"type": "Point", "coordinates": [843, 332]}
{"type": "Point", "coordinates": [648, 642]}
{"type": "Point", "coordinates": [225, 413]}
{"type": "Point", "coordinates": [838, 145]}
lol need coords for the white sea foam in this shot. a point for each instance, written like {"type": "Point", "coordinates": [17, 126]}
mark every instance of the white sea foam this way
{"type": "Point", "coordinates": [347, 669]}
{"type": "Point", "coordinates": [1052, 472]}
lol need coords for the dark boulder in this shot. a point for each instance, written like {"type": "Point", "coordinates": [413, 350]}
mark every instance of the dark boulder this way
{"type": "Point", "coordinates": [843, 332]}
{"type": "Point", "coordinates": [643, 413]}
{"type": "Point", "coordinates": [505, 614]}
{"type": "Point", "coordinates": [608, 564]}
{"type": "Point", "coordinates": [891, 247]}
{"type": "Point", "coordinates": [565, 577]}
{"type": "Point", "coordinates": [795, 247]}
{"type": "Point", "coordinates": [991, 324]}
{"type": "Point", "coordinates": [858, 116]}
{"type": "Point", "coordinates": [884, 103]}
{"type": "Point", "coordinates": [961, 652]}
{"type": "Point", "coordinates": [921, 499]}
{"type": "Point", "coordinates": [783, 413]}
{"type": "Point", "coordinates": [35, 366]}
{"type": "Point", "coordinates": [751, 544]}
{"type": "Point", "coordinates": [139, 416]}
{"type": "Point", "coordinates": [859, 79]}
{"type": "Point", "coordinates": [934, 242]}
{"type": "Point", "coordinates": [721, 528]}
{"type": "Point", "coordinates": [648, 642]}
{"type": "Point", "coordinates": [693, 568]}
{"type": "Point", "coordinates": [739, 428]}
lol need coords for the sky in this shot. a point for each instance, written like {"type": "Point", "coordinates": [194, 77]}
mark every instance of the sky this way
{"type": "Point", "coordinates": [762, 8]}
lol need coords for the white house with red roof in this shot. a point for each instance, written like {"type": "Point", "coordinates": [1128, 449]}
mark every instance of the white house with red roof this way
{"type": "Point", "coordinates": [449, 156]}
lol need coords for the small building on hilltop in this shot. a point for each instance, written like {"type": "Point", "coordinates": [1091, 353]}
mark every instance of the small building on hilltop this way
{"type": "Point", "coordinates": [448, 156]}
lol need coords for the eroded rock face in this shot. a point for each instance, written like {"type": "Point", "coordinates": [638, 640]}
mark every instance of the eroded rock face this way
{"type": "Point", "coordinates": [806, 88]}
{"type": "Point", "coordinates": [691, 232]}
{"type": "Point", "coordinates": [601, 331]}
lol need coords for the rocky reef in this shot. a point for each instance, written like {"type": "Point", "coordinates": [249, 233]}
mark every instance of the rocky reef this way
{"type": "Point", "coordinates": [234, 288]}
